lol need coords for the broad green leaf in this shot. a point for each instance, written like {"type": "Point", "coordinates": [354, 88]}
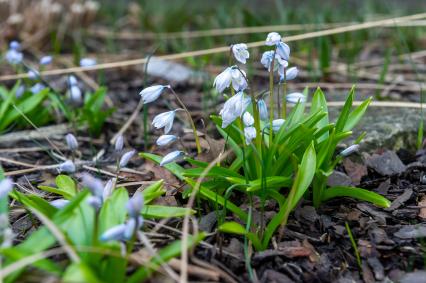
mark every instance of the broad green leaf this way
{"type": "Point", "coordinates": [24, 106]}
{"type": "Point", "coordinates": [66, 184]}
{"type": "Point", "coordinates": [113, 210]}
{"type": "Point", "coordinates": [34, 202]}
{"type": "Point", "coordinates": [344, 113]}
{"type": "Point", "coordinates": [233, 228]}
{"type": "Point", "coordinates": [79, 272]}
{"type": "Point", "coordinates": [216, 171]}
{"type": "Point", "coordinates": [357, 193]}
{"type": "Point", "coordinates": [153, 191]}
{"type": "Point", "coordinates": [356, 115]}
{"type": "Point", "coordinates": [161, 211]}
{"type": "Point", "coordinates": [319, 103]}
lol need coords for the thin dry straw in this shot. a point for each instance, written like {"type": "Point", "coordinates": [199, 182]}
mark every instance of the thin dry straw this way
{"type": "Point", "coordinates": [229, 31]}
{"type": "Point", "coordinates": [222, 49]}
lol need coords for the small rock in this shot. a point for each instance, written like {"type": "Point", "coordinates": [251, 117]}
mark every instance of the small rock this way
{"type": "Point", "coordinates": [411, 232]}
{"type": "Point", "coordinates": [354, 170]}
{"type": "Point", "coordinates": [208, 221]}
{"type": "Point", "coordinates": [307, 212]}
{"type": "Point", "coordinates": [414, 277]}
{"type": "Point", "coordinates": [386, 164]}
{"type": "Point", "coordinates": [378, 269]}
{"type": "Point", "coordinates": [400, 200]}
{"type": "Point", "coordinates": [422, 204]}
{"type": "Point", "coordinates": [339, 179]}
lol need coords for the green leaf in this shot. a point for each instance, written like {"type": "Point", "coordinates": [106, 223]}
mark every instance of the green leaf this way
{"type": "Point", "coordinates": [176, 169]}
{"type": "Point", "coordinates": [319, 103]}
{"type": "Point", "coordinates": [357, 193]}
{"type": "Point", "coordinates": [153, 191]}
{"type": "Point", "coordinates": [113, 211]}
{"type": "Point", "coordinates": [344, 114]}
{"type": "Point", "coordinates": [66, 187]}
{"type": "Point", "coordinates": [79, 272]}
{"type": "Point", "coordinates": [161, 211]}
{"type": "Point", "coordinates": [24, 106]}
{"type": "Point", "coordinates": [356, 115]}
{"type": "Point", "coordinates": [216, 171]}
{"type": "Point", "coordinates": [35, 202]}
{"type": "Point", "coordinates": [233, 228]}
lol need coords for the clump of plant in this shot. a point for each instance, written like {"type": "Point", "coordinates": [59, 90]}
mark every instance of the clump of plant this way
{"type": "Point", "coordinates": [279, 156]}
{"type": "Point", "coordinates": [96, 227]}
{"type": "Point", "coordinates": [35, 98]}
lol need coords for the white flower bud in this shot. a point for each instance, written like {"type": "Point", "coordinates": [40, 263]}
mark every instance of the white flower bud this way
{"type": "Point", "coordinates": [71, 142]}
{"type": "Point", "coordinates": [126, 158]}
{"type": "Point", "coordinates": [173, 156]}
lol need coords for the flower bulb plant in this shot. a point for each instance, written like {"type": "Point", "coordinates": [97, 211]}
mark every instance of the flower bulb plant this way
{"type": "Point", "coordinates": [279, 155]}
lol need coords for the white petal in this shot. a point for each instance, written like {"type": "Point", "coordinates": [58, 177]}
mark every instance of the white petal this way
{"type": "Point", "coordinates": [115, 233]}
{"type": "Point", "coordinates": [151, 93]}
{"type": "Point", "coordinates": [126, 158]}
{"type": "Point", "coordinates": [348, 151]}
{"type": "Point", "coordinates": [59, 203]}
{"type": "Point", "coordinates": [283, 50]}
{"type": "Point", "coordinates": [67, 166]}
{"type": "Point", "coordinates": [248, 119]}
{"type": "Point", "coordinates": [165, 140]}
{"type": "Point", "coordinates": [164, 120]}
{"type": "Point", "coordinates": [240, 52]}
{"type": "Point", "coordinates": [6, 185]}
{"type": "Point", "coordinates": [249, 134]}
{"type": "Point", "coordinates": [273, 38]}
{"type": "Point", "coordinates": [223, 80]}
{"type": "Point", "coordinates": [135, 204]}
{"type": "Point", "coordinates": [296, 97]}
{"type": "Point", "coordinates": [276, 124]}
{"type": "Point", "coordinates": [172, 157]}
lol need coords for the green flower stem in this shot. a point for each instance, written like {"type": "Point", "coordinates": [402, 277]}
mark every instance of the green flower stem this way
{"type": "Point", "coordinates": [271, 95]}
{"type": "Point", "coordinates": [284, 106]}
{"type": "Point", "coordinates": [197, 140]}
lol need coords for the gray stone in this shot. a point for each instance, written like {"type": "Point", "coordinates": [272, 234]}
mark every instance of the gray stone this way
{"type": "Point", "coordinates": [385, 164]}
{"type": "Point", "coordinates": [414, 277]}
{"type": "Point", "coordinates": [411, 232]}
{"type": "Point", "coordinates": [173, 72]}
{"type": "Point", "coordinates": [339, 179]}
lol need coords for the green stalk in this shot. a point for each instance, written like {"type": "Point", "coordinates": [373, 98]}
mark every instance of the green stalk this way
{"type": "Point", "coordinates": [271, 96]}
{"type": "Point", "coordinates": [284, 106]}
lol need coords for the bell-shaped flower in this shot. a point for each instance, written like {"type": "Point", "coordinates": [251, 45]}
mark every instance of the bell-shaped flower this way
{"type": "Point", "coordinates": [239, 82]}
{"type": "Point", "coordinates": [87, 62]}
{"type": "Point", "coordinates": [240, 52]}
{"type": "Point", "coordinates": [126, 158]}
{"type": "Point", "coordinates": [348, 151]}
{"type": "Point", "coordinates": [248, 119]}
{"type": "Point", "coordinates": [290, 74]}
{"type": "Point", "coordinates": [37, 88]}
{"type": "Point", "coordinates": [115, 233]}
{"type": "Point", "coordinates": [119, 143]}
{"type": "Point", "coordinates": [173, 156]}
{"type": "Point", "coordinates": [152, 93]}
{"type": "Point", "coordinates": [71, 141]}
{"type": "Point", "coordinates": [72, 80]}
{"type": "Point", "coordinates": [135, 204]}
{"type": "Point", "coordinates": [59, 203]}
{"type": "Point", "coordinates": [6, 185]}
{"type": "Point", "coordinates": [283, 50]}
{"type": "Point", "coordinates": [46, 60]}
{"type": "Point", "coordinates": [165, 140]}
{"type": "Point", "coordinates": [273, 38]}
{"type": "Point", "coordinates": [95, 202]}
{"type": "Point", "coordinates": [14, 57]}
{"type": "Point", "coordinates": [223, 80]}
{"type": "Point", "coordinates": [20, 91]}
{"type": "Point", "coordinates": [249, 134]}
{"type": "Point", "coordinates": [109, 187]}
{"type": "Point", "coordinates": [164, 120]}
{"type": "Point", "coordinates": [14, 45]}
{"type": "Point", "coordinates": [279, 63]}
{"type": "Point", "coordinates": [68, 166]}
{"type": "Point", "coordinates": [76, 96]}
{"type": "Point", "coordinates": [263, 110]}
{"type": "Point", "coordinates": [33, 74]}
{"type": "Point", "coordinates": [230, 75]}
{"type": "Point", "coordinates": [296, 97]}
{"type": "Point", "coordinates": [234, 108]}
{"type": "Point", "coordinates": [132, 225]}
{"type": "Point", "coordinates": [94, 185]}
{"type": "Point", "coordinates": [276, 124]}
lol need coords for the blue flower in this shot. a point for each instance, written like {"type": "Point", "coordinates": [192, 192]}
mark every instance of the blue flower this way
{"type": "Point", "coordinates": [164, 140]}
{"type": "Point", "coordinates": [14, 57]}
{"type": "Point", "coordinates": [46, 60]}
{"type": "Point", "coordinates": [6, 185]}
{"type": "Point", "coordinates": [126, 158]}
{"type": "Point", "coordinates": [87, 62]}
{"type": "Point", "coordinates": [263, 110]}
{"type": "Point", "coordinates": [296, 97]}
{"type": "Point", "coordinates": [273, 38]}
{"type": "Point", "coordinates": [249, 134]}
{"type": "Point", "coordinates": [233, 108]}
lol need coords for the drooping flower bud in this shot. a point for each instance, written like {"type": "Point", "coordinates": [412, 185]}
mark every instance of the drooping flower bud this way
{"type": "Point", "coordinates": [126, 158]}
{"type": "Point", "coordinates": [71, 142]}
{"type": "Point", "coordinates": [173, 156]}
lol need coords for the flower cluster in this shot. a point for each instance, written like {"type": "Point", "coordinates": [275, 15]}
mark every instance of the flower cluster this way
{"type": "Point", "coordinates": [163, 120]}
{"type": "Point", "coordinates": [234, 78]}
